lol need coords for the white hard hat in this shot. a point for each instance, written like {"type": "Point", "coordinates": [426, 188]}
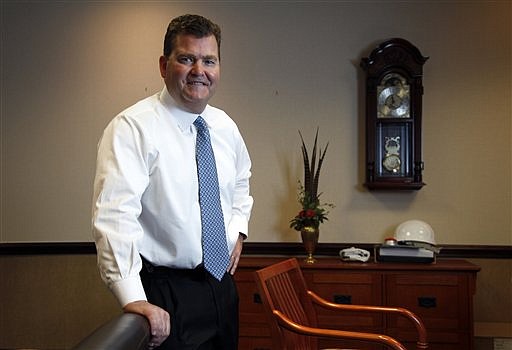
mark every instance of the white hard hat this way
{"type": "Point", "coordinates": [415, 231]}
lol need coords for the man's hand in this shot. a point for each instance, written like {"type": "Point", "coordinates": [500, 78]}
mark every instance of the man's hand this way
{"type": "Point", "coordinates": [158, 318]}
{"type": "Point", "coordinates": [235, 256]}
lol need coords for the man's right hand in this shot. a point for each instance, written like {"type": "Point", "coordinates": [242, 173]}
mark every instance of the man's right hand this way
{"type": "Point", "coordinates": [158, 318]}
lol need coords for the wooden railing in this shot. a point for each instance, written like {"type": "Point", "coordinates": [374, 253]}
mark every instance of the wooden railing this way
{"type": "Point", "coordinates": [125, 332]}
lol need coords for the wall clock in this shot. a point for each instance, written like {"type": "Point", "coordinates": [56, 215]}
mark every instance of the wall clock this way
{"type": "Point", "coordinates": [394, 89]}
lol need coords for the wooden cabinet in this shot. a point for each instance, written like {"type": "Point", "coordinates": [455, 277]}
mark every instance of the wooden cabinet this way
{"type": "Point", "coordinates": [254, 330]}
{"type": "Point", "coordinates": [440, 293]}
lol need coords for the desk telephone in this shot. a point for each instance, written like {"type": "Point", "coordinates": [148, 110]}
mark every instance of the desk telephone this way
{"type": "Point", "coordinates": [354, 254]}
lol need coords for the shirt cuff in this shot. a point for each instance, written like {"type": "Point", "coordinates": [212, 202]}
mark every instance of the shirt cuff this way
{"type": "Point", "coordinates": [239, 225]}
{"type": "Point", "coordinates": [128, 290]}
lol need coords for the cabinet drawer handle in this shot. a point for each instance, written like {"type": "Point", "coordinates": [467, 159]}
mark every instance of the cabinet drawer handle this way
{"type": "Point", "coordinates": [256, 298]}
{"type": "Point", "coordinates": [427, 302]}
{"type": "Point", "coordinates": [343, 299]}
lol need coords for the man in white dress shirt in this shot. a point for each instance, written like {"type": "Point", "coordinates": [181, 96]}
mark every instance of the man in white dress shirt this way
{"type": "Point", "coordinates": [146, 214]}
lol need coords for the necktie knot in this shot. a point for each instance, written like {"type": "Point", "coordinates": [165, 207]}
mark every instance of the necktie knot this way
{"type": "Point", "coordinates": [200, 124]}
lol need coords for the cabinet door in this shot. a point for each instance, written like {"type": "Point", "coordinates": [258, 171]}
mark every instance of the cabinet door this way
{"type": "Point", "coordinates": [347, 288]}
{"type": "Point", "coordinates": [440, 300]}
{"type": "Point", "coordinates": [254, 329]}
{"type": "Point", "coordinates": [254, 343]}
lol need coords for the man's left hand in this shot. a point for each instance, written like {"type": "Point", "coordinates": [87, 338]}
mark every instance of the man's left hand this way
{"type": "Point", "coordinates": [235, 256]}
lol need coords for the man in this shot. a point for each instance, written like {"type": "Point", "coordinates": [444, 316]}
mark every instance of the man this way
{"type": "Point", "coordinates": [147, 214]}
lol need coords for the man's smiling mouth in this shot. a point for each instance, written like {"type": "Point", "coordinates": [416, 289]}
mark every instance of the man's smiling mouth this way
{"type": "Point", "coordinates": [198, 83]}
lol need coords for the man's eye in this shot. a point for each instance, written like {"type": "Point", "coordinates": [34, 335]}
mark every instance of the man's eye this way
{"type": "Point", "coordinates": [186, 59]}
{"type": "Point", "coordinates": [210, 62]}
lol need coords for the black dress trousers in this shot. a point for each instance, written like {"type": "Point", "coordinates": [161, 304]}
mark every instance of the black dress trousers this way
{"type": "Point", "coordinates": [204, 311]}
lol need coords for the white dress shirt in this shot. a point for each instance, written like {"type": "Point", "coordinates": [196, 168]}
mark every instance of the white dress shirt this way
{"type": "Point", "coordinates": [146, 190]}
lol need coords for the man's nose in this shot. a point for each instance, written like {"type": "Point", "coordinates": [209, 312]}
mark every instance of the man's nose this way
{"type": "Point", "coordinates": [197, 68]}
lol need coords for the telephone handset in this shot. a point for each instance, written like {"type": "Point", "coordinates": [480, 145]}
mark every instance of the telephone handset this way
{"type": "Point", "coordinates": [354, 254]}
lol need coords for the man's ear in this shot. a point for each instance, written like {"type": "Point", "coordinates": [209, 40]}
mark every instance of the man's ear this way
{"type": "Point", "coordinates": [163, 65]}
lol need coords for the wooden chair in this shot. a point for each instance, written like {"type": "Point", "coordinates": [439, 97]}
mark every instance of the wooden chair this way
{"type": "Point", "coordinates": [293, 321]}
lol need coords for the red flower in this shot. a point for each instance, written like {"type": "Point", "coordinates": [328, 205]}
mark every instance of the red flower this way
{"type": "Point", "coordinates": [310, 213]}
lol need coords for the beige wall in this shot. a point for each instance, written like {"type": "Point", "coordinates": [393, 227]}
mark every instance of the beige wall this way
{"type": "Point", "coordinates": [51, 302]}
{"type": "Point", "coordinates": [68, 67]}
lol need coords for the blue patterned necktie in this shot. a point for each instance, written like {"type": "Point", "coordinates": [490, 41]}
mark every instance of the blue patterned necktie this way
{"type": "Point", "coordinates": [215, 248]}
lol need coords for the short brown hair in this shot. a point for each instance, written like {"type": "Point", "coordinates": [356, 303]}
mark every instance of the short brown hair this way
{"type": "Point", "coordinates": [195, 25]}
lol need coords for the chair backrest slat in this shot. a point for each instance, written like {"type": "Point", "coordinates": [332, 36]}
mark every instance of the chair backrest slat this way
{"type": "Point", "coordinates": [286, 299]}
{"type": "Point", "coordinates": [285, 289]}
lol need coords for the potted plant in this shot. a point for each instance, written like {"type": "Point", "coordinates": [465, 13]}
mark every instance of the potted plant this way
{"type": "Point", "coordinates": [312, 212]}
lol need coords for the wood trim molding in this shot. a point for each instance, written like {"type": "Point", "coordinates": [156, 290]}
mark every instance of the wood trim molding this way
{"type": "Point", "coordinates": [332, 249]}
{"type": "Point", "coordinates": [265, 248]}
{"type": "Point", "coordinates": [47, 248]}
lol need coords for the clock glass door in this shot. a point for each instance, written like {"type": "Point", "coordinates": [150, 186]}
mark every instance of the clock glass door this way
{"type": "Point", "coordinates": [393, 150]}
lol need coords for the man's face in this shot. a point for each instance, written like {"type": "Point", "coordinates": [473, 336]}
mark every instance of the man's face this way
{"type": "Point", "coordinates": [192, 71]}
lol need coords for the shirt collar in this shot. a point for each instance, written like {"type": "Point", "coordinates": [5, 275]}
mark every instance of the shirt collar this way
{"type": "Point", "coordinates": [183, 119]}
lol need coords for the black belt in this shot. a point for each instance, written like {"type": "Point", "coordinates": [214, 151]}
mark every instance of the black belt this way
{"type": "Point", "coordinates": [151, 270]}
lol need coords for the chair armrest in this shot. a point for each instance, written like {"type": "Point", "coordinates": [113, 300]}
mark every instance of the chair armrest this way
{"type": "Point", "coordinates": [415, 320]}
{"type": "Point", "coordinates": [287, 323]}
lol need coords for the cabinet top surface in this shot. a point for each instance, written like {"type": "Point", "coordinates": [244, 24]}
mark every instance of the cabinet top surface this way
{"type": "Point", "coordinates": [255, 261]}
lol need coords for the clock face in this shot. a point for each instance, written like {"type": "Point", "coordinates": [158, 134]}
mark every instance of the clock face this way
{"type": "Point", "coordinates": [393, 97]}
